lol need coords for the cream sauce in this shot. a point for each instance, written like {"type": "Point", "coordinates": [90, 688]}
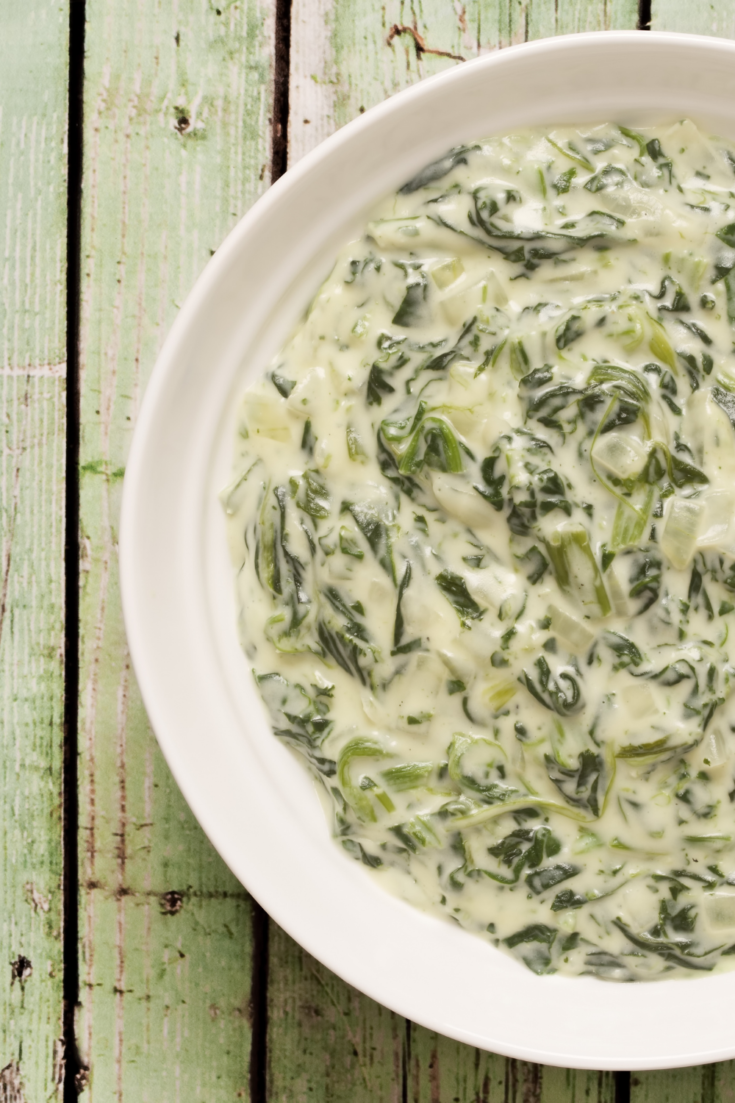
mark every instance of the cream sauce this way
{"type": "Point", "coordinates": [482, 519]}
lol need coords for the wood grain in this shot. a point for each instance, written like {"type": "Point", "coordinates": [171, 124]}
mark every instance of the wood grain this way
{"type": "Point", "coordinates": [33, 111]}
{"type": "Point", "coordinates": [699, 17]}
{"type": "Point", "coordinates": [704, 1084]}
{"type": "Point", "coordinates": [176, 147]}
{"type": "Point", "coordinates": [440, 1069]}
{"type": "Point", "coordinates": [326, 1041]}
{"type": "Point", "coordinates": [347, 55]}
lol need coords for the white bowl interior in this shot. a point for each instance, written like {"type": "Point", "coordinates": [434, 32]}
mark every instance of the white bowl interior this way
{"type": "Point", "coordinates": [254, 799]}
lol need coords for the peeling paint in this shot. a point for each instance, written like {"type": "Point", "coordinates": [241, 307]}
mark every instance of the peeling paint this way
{"type": "Point", "coordinates": [35, 898]}
{"type": "Point", "coordinates": [21, 969]}
{"type": "Point", "coordinates": [419, 42]}
{"type": "Point", "coordinates": [11, 1085]}
{"type": "Point", "coordinates": [172, 902]}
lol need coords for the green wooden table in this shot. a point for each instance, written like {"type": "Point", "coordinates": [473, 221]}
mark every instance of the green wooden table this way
{"type": "Point", "coordinates": [133, 135]}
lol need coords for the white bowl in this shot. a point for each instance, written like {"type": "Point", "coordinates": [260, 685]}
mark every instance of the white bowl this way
{"type": "Point", "coordinates": [254, 800]}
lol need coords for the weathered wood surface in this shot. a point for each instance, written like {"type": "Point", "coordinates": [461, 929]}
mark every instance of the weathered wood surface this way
{"type": "Point", "coordinates": [347, 55]}
{"type": "Point", "coordinates": [33, 110]}
{"type": "Point", "coordinates": [694, 17]}
{"type": "Point", "coordinates": [706, 1084]}
{"type": "Point", "coordinates": [328, 1042]}
{"type": "Point", "coordinates": [176, 148]}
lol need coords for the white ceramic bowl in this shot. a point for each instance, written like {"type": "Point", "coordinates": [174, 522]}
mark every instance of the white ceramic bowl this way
{"type": "Point", "coordinates": [255, 801]}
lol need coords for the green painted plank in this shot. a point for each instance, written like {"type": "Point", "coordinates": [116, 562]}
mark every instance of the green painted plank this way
{"type": "Point", "coordinates": [176, 148]}
{"type": "Point", "coordinates": [700, 17]}
{"type": "Point", "coordinates": [33, 112]}
{"type": "Point", "coordinates": [348, 55]}
{"type": "Point", "coordinates": [326, 1041]}
{"type": "Point", "coordinates": [440, 1069]}
{"type": "Point", "coordinates": [706, 1084]}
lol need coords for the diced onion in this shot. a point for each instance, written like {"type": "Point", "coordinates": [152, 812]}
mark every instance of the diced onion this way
{"type": "Point", "coordinates": [447, 273]}
{"type": "Point", "coordinates": [571, 631]}
{"type": "Point", "coordinates": [459, 499]}
{"type": "Point", "coordinates": [623, 455]}
{"type": "Point", "coordinates": [719, 909]}
{"type": "Point", "coordinates": [679, 538]}
{"type": "Point", "coordinates": [266, 418]}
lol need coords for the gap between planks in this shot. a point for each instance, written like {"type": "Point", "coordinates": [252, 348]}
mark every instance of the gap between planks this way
{"type": "Point", "coordinates": [74, 1074]}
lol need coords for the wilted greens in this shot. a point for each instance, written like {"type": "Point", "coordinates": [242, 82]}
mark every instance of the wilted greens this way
{"type": "Point", "coordinates": [483, 521]}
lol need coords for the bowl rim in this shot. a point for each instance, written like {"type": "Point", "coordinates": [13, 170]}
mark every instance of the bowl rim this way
{"type": "Point", "coordinates": [132, 532]}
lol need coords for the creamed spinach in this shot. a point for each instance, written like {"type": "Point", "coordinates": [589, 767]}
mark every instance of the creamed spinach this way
{"type": "Point", "coordinates": [483, 518]}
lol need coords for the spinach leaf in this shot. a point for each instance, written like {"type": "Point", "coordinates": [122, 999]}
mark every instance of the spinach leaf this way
{"type": "Point", "coordinates": [535, 564]}
{"type": "Point", "coordinates": [623, 412]}
{"type": "Point", "coordinates": [345, 639]}
{"type": "Point", "coordinates": [727, 234]}
{"type": "Point", "coordinates": [704, 337]}
{"type": "Point", "coordinates": [691, 367]}
{"type": "Point", "coordinates": [685, 474]}
{"type": "Point", "coordinates": [644, 577]}
{"type": "Point", "coordinates": [378, 385]}
{"type": "Point", "coordinates": [569, 331]}
{"type": "Point", "coordinates": [486, 206]}
{"type": "Point", "coordinates": [358, 794]}
{"type": "Point", "coordinates": [567, 898]}
{"type": "Point", "coordinates": [611, 176]}
{"type": "Point", "coordinates": [399, 625]}
{"type": "Point", "coordinates": [412, 311]}
{"type": "Point", "coordinates": [494, 483]}
{"type": "Point", "coordinates": [670, 289]}
{"type": "Point", "coordinates": [551, 401]}
{"type": "Point", "coordinates": [542, 879]}
{"type": "Point", "coordinates": [725, 400]}
{"type": "Point", "coordinates": [523, 847]}
{"type": "Point", "coordinates": [298, 718]}
{"type": "Point", "coordinates": [312, 495]}
{"type": "Point", "coordinates": [433, 445]}
{"type": "Point", "coordinates": [606, 966]}
{"type": "Point", "coordinates": [357, 850]}
{"type": "Point", "coordinates": [583, 786]}
{"type": "Point", "coordinates": [563, 181]}
{"type": "Point", "coordinates": [291, 577]}
{"type": "Point", "coordinates": [674, 952]}
{"type": "Point", "coordinates": [536, 932]}
{"type": "Point", "coordinates": [409, 775]}
{"type": "Point", "coordinates": [648, 752]}
{"type": "Point", "coordinates": [454, 589]}
{"type": "Point", "coordinates": [443, 360]}
{"type": "Point", "coordinates": [539, 377]}
{"type": "Point", "coordinates": [389, 468]}
{"type": "Point", "coordinates": [346, 644]}
{"type": "Point", "coordinates": [308, 440]}
{"type": "Point", "coordinates": [283, 386]}
{"type": "Point", "coordinates": [537, 940]}
{"type": "Point", "coordinates": [628, 653]}
{"type": "Point", "coordinates": [437, 169]}
{"type": "Point", "coordinates": [560, 694]}
{"type": "Point", "coordinates": [376, 530]}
